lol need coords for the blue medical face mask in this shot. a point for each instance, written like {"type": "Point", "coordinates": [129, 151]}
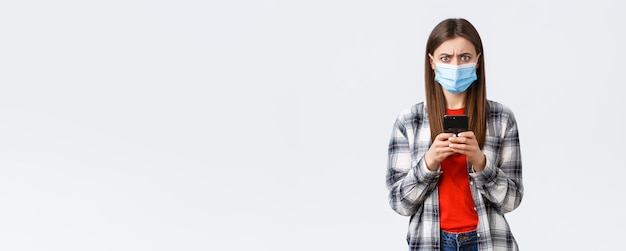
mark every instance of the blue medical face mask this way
{"type": "Point", "coordinates": [455, 78]}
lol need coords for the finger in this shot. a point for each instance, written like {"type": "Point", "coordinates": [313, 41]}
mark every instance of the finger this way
{"type": "Point", "coordinates": [455, 139]}
{"type": "Point", "coordinates": [457, 147]}
{"type": "Point", "coordinates": [444, 153]}
{"type": "Point", "coordinates": [465, 149]}
{"type": "Point", "coordinates": [443, 148]}
{"type": "Point", "coordinates": [461, 140]}
{"type": "Point", "coordinates": [461, 147]}
{"type": "Point", "coordinates": [444, 136]}
{"type": "Point", "coordinates": [441, 145]}
{"type": "Point", "coordinates": [470, 153]}
{"type": "Point", "coordinates": [467, 134]}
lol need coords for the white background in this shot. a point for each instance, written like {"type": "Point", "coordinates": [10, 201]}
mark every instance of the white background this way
{"type": "Point", "coordinates": [263, 125]}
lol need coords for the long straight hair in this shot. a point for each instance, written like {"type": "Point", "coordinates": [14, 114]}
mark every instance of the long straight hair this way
{"type": "Point", "coordinates": [476, 106]}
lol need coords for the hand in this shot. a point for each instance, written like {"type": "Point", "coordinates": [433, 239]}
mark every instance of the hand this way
{"type": "Point", "coordinates": [466, 143]}
{"type": "Point", "coordinates": [438, 151]}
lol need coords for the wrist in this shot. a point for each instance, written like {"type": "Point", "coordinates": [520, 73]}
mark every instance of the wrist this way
{"type": "Point", "coordinates": [480, 164]}
{"type": "Point", "coordinates": [430, 163]}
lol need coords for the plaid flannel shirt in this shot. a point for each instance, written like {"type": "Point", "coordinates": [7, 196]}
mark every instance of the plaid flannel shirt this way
{"type": "Point", "coordinates": [496, 190]}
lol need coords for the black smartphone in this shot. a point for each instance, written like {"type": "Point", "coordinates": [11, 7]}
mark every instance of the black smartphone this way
{"type": "Point", "coordinates": [455, 123]}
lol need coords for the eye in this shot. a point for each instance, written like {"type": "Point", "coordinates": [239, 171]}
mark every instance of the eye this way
{"type": "Point", "coordinates": [465, 58]}
{"type": "Point", "coordinates": [445, 58]}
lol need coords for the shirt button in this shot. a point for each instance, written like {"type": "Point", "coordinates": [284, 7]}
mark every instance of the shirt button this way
{"type": "Point", "coordinates": [477, 235]}
{"type": "Point", "coordinates": [474, 208]}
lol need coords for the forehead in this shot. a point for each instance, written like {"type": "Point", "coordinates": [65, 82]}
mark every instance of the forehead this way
{"type": "Point", "coordinates": [456, 45]}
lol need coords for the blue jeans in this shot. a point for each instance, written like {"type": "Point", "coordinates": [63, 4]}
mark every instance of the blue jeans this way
{"type": "Point", "coordinates": [466, 241]}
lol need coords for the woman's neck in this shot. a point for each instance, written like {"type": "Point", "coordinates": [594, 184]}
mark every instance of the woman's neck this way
{"type": "Point", "coordinates": [454, 100]}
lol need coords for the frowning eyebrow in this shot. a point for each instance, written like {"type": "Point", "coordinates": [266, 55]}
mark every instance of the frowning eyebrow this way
{"type": "Point", "coordinates": [460, 54]}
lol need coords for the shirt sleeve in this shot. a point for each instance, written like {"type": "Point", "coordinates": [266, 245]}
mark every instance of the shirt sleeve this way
{"type": "Point", "coordinates": [408, 180]}
{"type": "Point", "coordinates": [500, 182]}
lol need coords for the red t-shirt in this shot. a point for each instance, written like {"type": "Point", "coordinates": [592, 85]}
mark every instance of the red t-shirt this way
{"type": "Point", "coordinates": [456, 206]}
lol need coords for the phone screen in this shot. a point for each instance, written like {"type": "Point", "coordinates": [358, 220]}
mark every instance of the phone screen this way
{"type": "Point", "coordinates": [455, 123]}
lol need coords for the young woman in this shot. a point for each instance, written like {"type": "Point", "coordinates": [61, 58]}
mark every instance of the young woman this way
{"type": "Point", "coordinates": [456, 188]}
